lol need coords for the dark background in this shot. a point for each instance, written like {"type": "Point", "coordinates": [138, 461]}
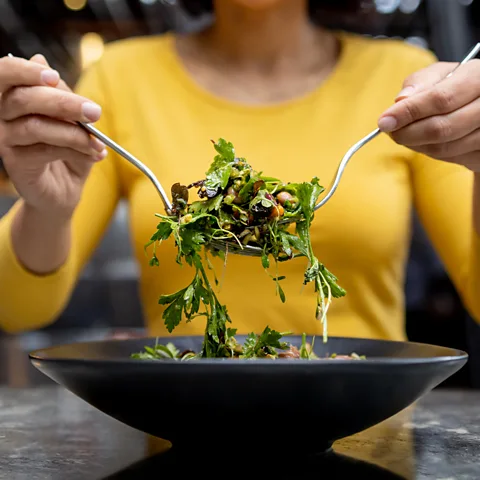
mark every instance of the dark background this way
{"type": "Point", "coordinates": [107, 293]}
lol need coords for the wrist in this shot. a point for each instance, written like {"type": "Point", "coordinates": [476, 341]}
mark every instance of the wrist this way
{"type": "Point", "coordinates": [50, 219]}
{"type": "Point", "coordinates": [41, 242]}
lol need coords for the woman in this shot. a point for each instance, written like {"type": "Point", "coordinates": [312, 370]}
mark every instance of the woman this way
{"type": "Point", "coordinates": [292, 98]}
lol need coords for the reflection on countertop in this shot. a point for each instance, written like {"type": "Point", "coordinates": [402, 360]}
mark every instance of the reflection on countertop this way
{"type": "Point", "coordinates": [48, 433]}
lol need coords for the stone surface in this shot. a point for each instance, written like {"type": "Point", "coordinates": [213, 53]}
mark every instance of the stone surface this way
{"type": "Point", "coordinates": [48, 433]}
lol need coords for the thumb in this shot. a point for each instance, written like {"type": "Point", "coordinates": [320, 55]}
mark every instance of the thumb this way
{"type": "Point", "coordinates": [39, 58]}
{"type": "Point", "coordinates": [424, 79]}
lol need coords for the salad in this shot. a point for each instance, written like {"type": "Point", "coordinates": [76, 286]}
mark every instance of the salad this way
{"type": "Point", "coordinates": [243, 207]}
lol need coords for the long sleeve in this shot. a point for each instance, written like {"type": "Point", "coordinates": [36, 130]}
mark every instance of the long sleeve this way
{"type": "Point", "coordinates": [29, 301]}
{"type": "Point", "coordinates": [443, 195]}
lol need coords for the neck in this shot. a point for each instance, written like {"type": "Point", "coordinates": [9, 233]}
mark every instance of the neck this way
{"type": "Point", "coordinates": [261, 37]}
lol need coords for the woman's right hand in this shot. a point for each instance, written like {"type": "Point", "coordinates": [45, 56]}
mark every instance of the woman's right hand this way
{"type": "Point", "coordinates": [46, 155]}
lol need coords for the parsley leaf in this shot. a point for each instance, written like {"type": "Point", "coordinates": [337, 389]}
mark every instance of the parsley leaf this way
{"type": "Point", "coordinates": [265, 344]}
{"type": "Point", "coordinates": [226, 151]}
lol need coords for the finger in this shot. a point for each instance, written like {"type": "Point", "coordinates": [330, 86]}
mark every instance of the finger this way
{"type": "Point", "coordinates": [39, 154]}
{"type": "Point", "coordinates": [425, 78]}
{"type": "Point", "coordinates": [450, 150]}
{"type": "Point", "coordinates": [47, 101]}
{"type": "Point", "coordinates": [18, 71]}
{"type": "Point", "coordinates": [42, 153]}
{"type": "Point", "coordinates": [444, 97]}
{"type": "Point", "coordinates": [440, 128]}
{"type": "Point", "coordinates": [41, 60]}
{"type": "Point", "coordinates": [35, 129]}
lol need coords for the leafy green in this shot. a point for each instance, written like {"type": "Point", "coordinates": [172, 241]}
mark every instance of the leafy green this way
{"type": "Point", "coordinates": [220, 170]}
{"type": "Point", "coordinates": [306, 351]}
{"type": "Point", "coordinates": [158, 352]}
{"type": "Point", "coordinates": [241, 206]}
{"type": "Point", "coordinates": [265, 344]}
{"type": "Point", "coordinates": [226, 152]}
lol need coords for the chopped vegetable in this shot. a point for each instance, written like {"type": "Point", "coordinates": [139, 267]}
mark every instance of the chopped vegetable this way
{"type": "Point", "coordinates": [267, 345]}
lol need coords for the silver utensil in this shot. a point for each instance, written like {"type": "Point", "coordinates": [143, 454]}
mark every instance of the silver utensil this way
{"type": "Point", "coordinates": [351, 152]}
{"type": "Point", "coordinates": [127, 156]}
{"type": "Point", "coordinates": [130, 158]}
{"type": "Point", "coordinates": [229, 245]}
{"type": "Point", "coordinates": [233, 247]}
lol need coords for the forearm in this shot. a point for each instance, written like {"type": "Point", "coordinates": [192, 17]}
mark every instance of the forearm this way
{"type": "Point", "coordinates": [38, 269]}
{"type": "Point", "coordinates": [472, 279]}
{"type": "Point", "coordinates": [41, 244]}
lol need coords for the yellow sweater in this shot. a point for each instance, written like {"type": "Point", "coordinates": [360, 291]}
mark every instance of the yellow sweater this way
{"type": "Point", "coordinates": [157, 111]}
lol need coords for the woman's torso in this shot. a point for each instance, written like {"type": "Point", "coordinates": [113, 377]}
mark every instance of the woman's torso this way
{"type": "Point", "coordinates": [362, 235]}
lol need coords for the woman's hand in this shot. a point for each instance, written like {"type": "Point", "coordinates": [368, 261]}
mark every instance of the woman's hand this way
{"type": "Point", "coordinates": [439, 116]}
{"type": "Point", "coordinates": [46, 155]}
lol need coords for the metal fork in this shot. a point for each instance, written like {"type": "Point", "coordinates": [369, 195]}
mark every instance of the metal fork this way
{"type": "Point", "coordinates": [230, 246]}
{"type": "Point", "coordinates": [351, 152]}
{"type": "Point", "coordinates": [248, 250]}
{"type": "Point", "coordinates": [129, 157]}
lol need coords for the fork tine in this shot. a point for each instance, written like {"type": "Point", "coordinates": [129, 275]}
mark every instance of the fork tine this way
{"type": "Point", "coordinates": [234, 248]}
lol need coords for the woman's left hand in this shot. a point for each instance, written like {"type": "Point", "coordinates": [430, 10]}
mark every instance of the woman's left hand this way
{"type": "Point", "coordinates": [439, 116]}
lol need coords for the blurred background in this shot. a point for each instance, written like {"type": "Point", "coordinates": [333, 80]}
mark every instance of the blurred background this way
{"type": "Point", "coordinates": [72, 34]}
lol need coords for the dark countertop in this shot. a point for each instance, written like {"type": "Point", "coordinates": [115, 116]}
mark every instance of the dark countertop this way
{"type": "Point", "coordinates": [46, 433]}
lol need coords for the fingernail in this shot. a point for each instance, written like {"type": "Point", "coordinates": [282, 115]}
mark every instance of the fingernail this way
{"type": "Point", "coordinates": [50, 77]}
{"type": "Point", "coordinates": [101, 155]}
{"type": "Point", "coordinates": [91, 111]}
{"type": "Point", "coordinates": [406, 92]}
{"type": "Point", "coordinates": [387, 124]}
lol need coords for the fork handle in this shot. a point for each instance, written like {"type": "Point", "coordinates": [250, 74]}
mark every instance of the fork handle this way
{"type": "Point", "coordinates": [130, 158]}
{"type": "Point", "coordinates": [343, 164]}
{"type": "Point", "coordinates": [473, 53]}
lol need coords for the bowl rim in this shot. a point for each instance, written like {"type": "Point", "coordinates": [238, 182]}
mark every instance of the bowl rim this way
{"type": "Point", "coordinates": [454, 355]}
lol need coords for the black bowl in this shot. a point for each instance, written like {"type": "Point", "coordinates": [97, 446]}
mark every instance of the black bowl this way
{"type": "Point", "coordinates": [284, 404]}
{"type": "Point", "coordinates": [187, 463]}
